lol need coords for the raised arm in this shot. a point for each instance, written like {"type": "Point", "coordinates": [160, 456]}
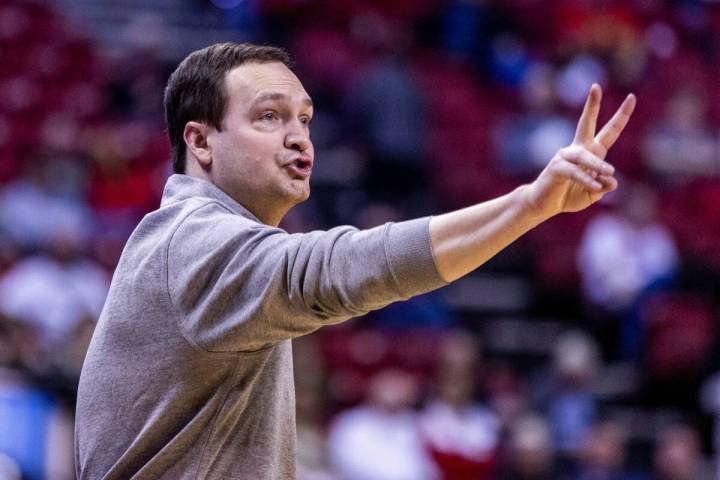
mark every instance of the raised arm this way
{"type": "Point", "coordinates": [575, 178]}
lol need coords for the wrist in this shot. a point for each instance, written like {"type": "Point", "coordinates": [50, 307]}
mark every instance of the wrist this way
{"type": "Point", "coordinates": [528, 199]}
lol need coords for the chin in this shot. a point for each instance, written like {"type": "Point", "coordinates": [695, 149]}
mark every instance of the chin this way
{"type": "Point", "coordinates": [301, 194]}
{"type": "Point", "coordinates": [303, 197]}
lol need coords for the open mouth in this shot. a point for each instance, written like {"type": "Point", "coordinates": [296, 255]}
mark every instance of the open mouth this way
{"type": "Point", "coordinates": [300, 168]}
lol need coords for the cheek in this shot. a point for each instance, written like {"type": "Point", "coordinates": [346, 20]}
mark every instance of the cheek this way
{"type": "Point", "coordinates": [249, 153]}
{"type": "Point", "coordinates": [258, 144]}
{"type": "Point", "coordinates": [232, 152]}
{"type": "Point", "coordinates": [222, 150]}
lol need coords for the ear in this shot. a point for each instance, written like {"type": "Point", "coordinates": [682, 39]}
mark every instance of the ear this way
{"type": "Point", "coordinates": [195, 136]}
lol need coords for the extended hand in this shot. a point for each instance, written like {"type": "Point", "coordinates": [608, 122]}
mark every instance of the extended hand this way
{"type": "Point", "coordinates": [577, 176]}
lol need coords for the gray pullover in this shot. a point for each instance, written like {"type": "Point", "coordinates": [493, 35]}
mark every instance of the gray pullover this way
{"type": "Point", "coordinates": [189, 372]}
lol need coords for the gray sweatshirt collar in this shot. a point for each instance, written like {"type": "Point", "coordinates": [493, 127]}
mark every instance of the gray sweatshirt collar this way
{"type": "Point", "coordinates": [183, 187]}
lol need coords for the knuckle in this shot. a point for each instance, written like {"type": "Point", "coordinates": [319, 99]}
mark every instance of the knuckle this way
{"type": "Point", "coordinates": [573, 150]}
{"type": "Point", "coordinates": [555, 168]}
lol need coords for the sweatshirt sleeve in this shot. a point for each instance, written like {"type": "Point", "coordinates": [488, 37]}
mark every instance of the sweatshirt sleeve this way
{"type": "Point", "coordinates": [237, 285]}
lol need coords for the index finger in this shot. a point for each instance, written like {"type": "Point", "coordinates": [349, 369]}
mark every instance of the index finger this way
{"type": "Point", "coordinates": [614, 127]}
{"type": "Point", "coordinates": [588, 119]}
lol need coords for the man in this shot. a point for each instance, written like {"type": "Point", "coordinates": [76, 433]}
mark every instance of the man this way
{"type": "Point", "coordinates": [189, 373]}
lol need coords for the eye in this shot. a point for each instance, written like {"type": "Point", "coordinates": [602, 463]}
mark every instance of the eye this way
{"type": "Point", "coordinates": [269, 116]}
{"type": "Point", "coordinates": [306, 120]}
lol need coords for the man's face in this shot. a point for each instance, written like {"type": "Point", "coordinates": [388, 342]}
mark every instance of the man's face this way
{"type": "Point", "coordinates": [263, 156]}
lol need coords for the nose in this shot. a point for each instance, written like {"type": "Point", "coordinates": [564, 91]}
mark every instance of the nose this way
{"type": "Point", "coordinates": [297, 137]}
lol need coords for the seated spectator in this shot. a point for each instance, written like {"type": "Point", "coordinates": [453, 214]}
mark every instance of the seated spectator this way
{"type": "Point", "coordinates": [570, 399]}
{"type": "Point", "coordinates": [389, 107]}
{"type": "Point", "coordinates": [55, 291]}
{"type": "Point", "coordinates": [9, 251]}
{"type": "Point", "coordinates": [379, 440]}
{"type": "Point", "coordinates": [624, 254]}
{"type": "Point", "coordinates": [507, 392]}
{"type": "Point", "coordinates": [710, 402]}
{"type": "Point", "coordinates": [602, 456]}
{"type": "Point", "coordinates": [678, 455]}
{"type": "Point", "coordinates": [530, 451]}
{"type": "Point", "coordinates": [34, 208]}
{"type": "Point", "coordinates": [464, 29]}
{"type": "Point", "coordinates": [462, 435]}
{"type": "Point", "coordinates": [62, 365]}
{"type": "Point", "coordinates": [529, 139]}
{"type": "Point", "coordinates": [35, 432]}
{"type": "Point", "coordinates": [679, 329]}
{"type": "Point", "coordinates": [683, 133]}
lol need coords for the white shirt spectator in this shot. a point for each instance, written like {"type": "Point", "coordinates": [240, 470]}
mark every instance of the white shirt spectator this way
{"type": "Point", "coordinates": [52, 296]}
{"type": "Point", "coordinates": [33, 217]}
{"type": "Point", "coordinates": [366, 443]}
{"type": "Point", "coordinates": [617, 259]}
{"type": "Point", "coordinates": [471, 432]}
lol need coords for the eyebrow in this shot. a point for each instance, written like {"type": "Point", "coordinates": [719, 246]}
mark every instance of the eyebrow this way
{"type": "Point", "coordinates": [279, 96]}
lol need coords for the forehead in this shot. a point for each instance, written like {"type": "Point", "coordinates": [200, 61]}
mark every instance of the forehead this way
{"type": "Point", "coordinates": [252, 80]}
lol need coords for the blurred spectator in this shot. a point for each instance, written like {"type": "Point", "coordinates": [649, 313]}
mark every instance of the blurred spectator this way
{"type": "Point", "coordinates": [681, 143]}
{"type": "Point", "coordinates": [530, 451]}
{"type": "Point", "coordinates": [389, 107]}
{"type": "Point", "coordinates": [405, 91]}
{"type": "Point", "coordinates": [507, 393]}
{"type": "Point", "coordinates": [312, 461]}
{"type": "Point", "coordinates": [624, 254]}
{"type": "Point", "coordinates": [35, 433]}
{"type": "Point", "coordinates": [126, 182]}
{"type": "Point", "coordinates": [462, 435]}
{"type": "Point", "coordinates": [530, 139]}
{"type": "Point", "coordinates": [380, 440]}
{"type": "Point", "coordinates": [36, 207]}
{"type": "Point", "coordinates": [710, 403]}
{"type": "Point", "coordinates": [573, 79]}
{"type": "Point", "coordinates": [56, 290]}
{"type": "Point", "coordinates": [61, 368]}
{"type": "Point", "coordinates": [680, 330]}
{"type": "Point", "coordinates": [122, 184]}
{"type": "Point", "coordinates": [464, 29]}
{"type": "Point", "coordinates": [138, 75]}
{"type": "Point", "coordinates": [570, 400]}
{"type": "Point", "coordinates": [9, 251]}
{"type": "Point", "coordinates": [678, 455]}
{"type": "Point", "coordinates": [509, 59]}
{"type": "Point", "coordinates": [603, 453]}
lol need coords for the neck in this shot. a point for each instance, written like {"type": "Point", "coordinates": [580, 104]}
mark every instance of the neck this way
{"type": "Point", "coordinates": [272, 218]}
{"type": "Point", "coordinates": [261, 205]}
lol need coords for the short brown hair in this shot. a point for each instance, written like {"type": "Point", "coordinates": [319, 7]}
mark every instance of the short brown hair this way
{"type": "Point", "coordinates": [195, 90]}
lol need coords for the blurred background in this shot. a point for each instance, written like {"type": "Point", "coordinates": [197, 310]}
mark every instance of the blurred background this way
{"type": "Point", "coordinates": [588, 350]}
